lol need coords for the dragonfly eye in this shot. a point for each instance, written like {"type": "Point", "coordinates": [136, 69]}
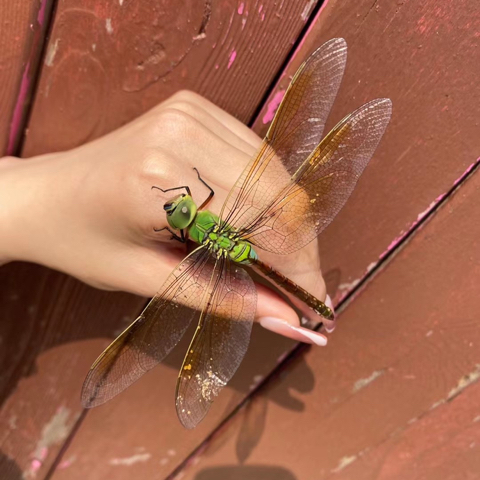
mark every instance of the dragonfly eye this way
{"type": "Point", "coordinates": [169, 207]}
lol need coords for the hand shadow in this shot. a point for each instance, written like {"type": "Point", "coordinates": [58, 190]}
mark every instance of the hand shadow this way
{"type": "Point", "coordinates": [251, 419]}
{"type": "Point", "coordinates": [244, 472]}
{"type": "Point", "coordinates": [9, 470]}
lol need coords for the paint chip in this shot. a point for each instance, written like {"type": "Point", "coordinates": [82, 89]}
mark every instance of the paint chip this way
{"type": "Point", "coordinates": [363, 382]}
{"type": "Point", "coordinates": [128, 461]}
{"type": "Point", "coordinates": [272, 106]}
{"type": "Point", "coordinates": [306, 11]}
{"type": "Point", "coordinates": [51, 52]}
{"type": "Point", "coordinates": [344, 462]}
{"type": "Point", "coordinates": [233, 56]}
{"type": "Point", "coordinates": [108, 25]}
{"type": "Point", "coordinates": [464, 382]}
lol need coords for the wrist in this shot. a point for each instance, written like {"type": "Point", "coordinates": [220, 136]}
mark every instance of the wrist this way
{"type": "Point", "coordinates": [22, 206]}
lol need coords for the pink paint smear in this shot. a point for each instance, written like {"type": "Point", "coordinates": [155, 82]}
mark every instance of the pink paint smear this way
{"type": "Point", "coordinates": [232, 58]}
{"type": "Point", "coordinates": [240, 8]}
{"type": "Point", "coordinates": [17, 112]}
{"type": "Point", "coordinates": [400, 238]}
{"type": "Point", "coordinates": [272, 106]}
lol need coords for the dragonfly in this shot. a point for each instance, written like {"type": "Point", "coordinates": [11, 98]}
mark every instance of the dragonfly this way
{"type": "Point", "coordinates": [286, 196]}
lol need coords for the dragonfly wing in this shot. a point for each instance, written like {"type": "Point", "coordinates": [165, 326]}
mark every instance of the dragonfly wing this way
{"type": "Point", "coordinates": [322, 185]}
{"type": "Point", "coordinates": [153, 334]}
{"type": "Point", "coordinates": [220, 341]}
{"type": "Point", "coordinates": [293, 134]}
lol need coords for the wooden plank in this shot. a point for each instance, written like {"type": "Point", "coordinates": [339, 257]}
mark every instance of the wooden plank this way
{"type": "Point", "coordinates": [24, 25]}
{"type": "Point", "coordinates": [105, 64]}
{"type": "Point", "coordinates": [420, 55]}
{"type": "Point", "coordinates": [122, 58]}
{"type": "Point", "coordinates": [396, 394]}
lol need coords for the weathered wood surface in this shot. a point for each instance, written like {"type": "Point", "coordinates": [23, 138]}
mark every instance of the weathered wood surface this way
{"type": "Point", "coordinates": [420, 55]}
{"type": "Point", "coordinates": [23, 28]}
{"type": "Point", "coordinates": [105, 64]}
{"type": "Point", "coordinates": [357, 245]}
{"type": "Point", "coordinates": [397, 395]}
{"type": "Point", "coordinates": [429, 153]}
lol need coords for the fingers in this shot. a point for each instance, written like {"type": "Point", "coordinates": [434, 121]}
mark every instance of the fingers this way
{"type": "Point", "coordinates": [276, 315]}
{"type": "Point", "coordinates": [223, 118]}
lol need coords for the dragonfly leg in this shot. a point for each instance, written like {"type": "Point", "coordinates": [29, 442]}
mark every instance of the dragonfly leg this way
{"type": "Point", "coordinates": [211, 194]}
{"type": "Point", "coordinates": [174, 188]}
{"type": "Point", "coordinates": [181, 238]}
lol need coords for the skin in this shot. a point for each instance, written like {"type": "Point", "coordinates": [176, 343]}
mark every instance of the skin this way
{"type": "Point", "coordinates": [90, 212]}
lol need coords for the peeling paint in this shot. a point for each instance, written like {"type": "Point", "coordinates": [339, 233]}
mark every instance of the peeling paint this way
{"type": "Point", "coordinates": [363, 382]}
{"type": "Point", "coordinates": [55, 431]}
{"type": "Point", "coordinates": [67, 463]}
{"type": "Point", "coordinates": [464, 382]}
{"type": "Point", "coordinates": [344, 462]}
{"type": "Point", "coordinates": [371, 266]}
{"type": "Point", "coordinates": [347, 287]}
{"type": "Point", "coordinates": [51, 52]}
{"type": "Point", "coordinates": [306, 11]}
{"type": "Point", "coordinates": [128, 461]}
{"type": "Point", "coordinates": [41, 12]}
{"type": "Point", "coordinates": [17, 112]}
{"type": "Point", "coordinates": [233, 56]}
{"type": "Point", "coordinates": [108, 26]}
{"type": "Point", "coordinates": [272, 106]}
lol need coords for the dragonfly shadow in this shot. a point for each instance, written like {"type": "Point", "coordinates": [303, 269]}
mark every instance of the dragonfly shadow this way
{"type": "Point", "coordinates": [249, 423]}
{"type": "Point", "coordinates": [252, 472]}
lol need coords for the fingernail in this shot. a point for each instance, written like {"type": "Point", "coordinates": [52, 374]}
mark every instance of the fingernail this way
{"type": "Point", "coordinates": [297, 333]}
{"type": "Point", "coordinates": [330, 325]}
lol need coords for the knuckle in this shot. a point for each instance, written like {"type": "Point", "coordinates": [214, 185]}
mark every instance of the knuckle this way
{"type": "Point", "coordinates": [185, 96]}
{"type": "Point", "coordinates": [172, 120]}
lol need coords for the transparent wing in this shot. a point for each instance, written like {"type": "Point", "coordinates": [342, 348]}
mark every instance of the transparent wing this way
{"type": "Point", "coordinates": [295, 131]}
{"type": "Point", "coordinates": [220, 341]}
{"type": "Point", "coordinates": [321, 186]}
{"type": "Point", "coordinates": [153, 334]}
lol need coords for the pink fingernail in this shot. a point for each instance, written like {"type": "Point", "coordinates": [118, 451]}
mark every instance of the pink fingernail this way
{"type": "Point", "coordinates": [298, 333]}
{"type": "Point", "coordinates": [330, 325]}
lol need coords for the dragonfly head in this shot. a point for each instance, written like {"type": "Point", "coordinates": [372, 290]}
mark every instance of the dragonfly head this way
{"type": "Point", "coordinates": [181, 211]}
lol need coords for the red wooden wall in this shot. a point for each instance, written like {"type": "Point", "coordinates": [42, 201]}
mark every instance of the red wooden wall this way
{"type": "Point", "coordinates": [393, 396]}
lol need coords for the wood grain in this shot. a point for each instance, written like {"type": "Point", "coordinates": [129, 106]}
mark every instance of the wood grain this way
{"type": "Point", "coordinates": [107, 62]}
{"type": "Point", "coordinates": [420, 55]}
{"type": "Point", "coordinates": [396, 394]}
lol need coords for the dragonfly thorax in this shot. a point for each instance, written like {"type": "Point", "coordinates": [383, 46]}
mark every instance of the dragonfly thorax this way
{"type": "Point", "coordinates": [221, 241]}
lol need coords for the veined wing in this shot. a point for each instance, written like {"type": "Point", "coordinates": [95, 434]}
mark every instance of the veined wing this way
{"type": "Point", "coordinates": [153, 334]}
{"type": "Point", "coordinates": [294, 133]}
{"type": "Point", "coordinates": [321, 186]}
{"type": "Point", "coordinates": [220, 341]}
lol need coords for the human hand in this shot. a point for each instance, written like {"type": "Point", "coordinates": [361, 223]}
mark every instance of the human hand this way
{"type": "Point", "coordinates": [90, 212]}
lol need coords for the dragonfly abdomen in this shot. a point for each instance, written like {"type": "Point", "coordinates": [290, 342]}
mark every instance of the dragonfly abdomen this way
{"type": "Point", "coordinates": [291, 287]}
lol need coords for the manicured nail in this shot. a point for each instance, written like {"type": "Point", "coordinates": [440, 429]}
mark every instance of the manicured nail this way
{"type": "Point", "coordinates": [330, 325]}
{"type": "Point", "coordinates": [297, 333]}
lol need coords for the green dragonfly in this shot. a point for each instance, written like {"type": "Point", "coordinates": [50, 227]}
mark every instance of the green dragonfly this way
{"type": "Point", "coordinates": [288, 193]}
